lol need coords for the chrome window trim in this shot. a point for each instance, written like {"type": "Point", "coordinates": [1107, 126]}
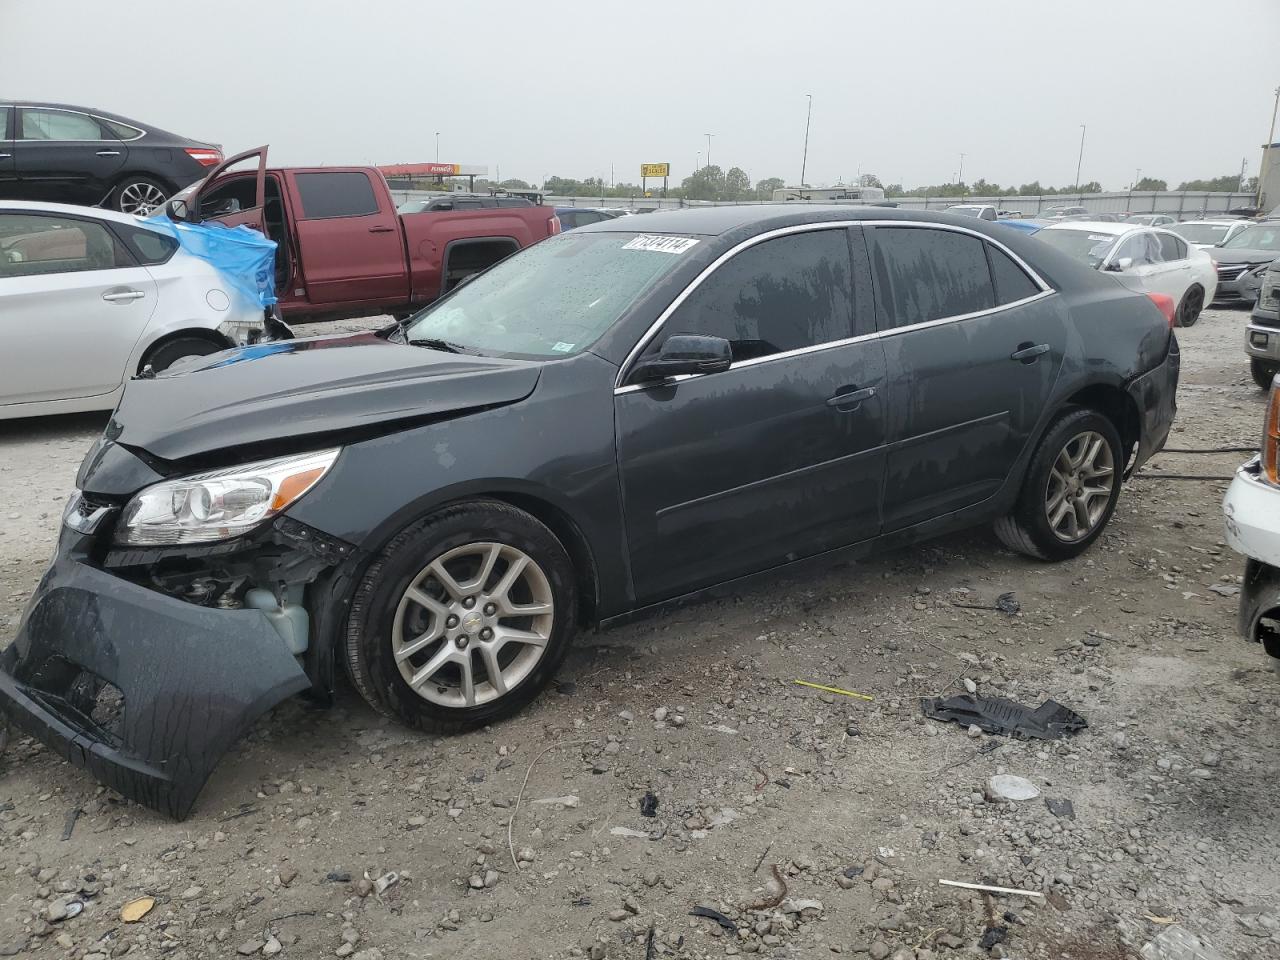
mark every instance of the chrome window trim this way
{"type": "Point", "coordinates": [80, 113]}
{"type": "Point", "coordinates": [634, 352]}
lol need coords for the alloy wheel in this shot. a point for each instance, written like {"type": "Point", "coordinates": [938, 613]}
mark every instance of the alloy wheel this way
{"type": "Point", "coordinates": [1080, 485]}
{"type": "Point", "coordinates": [473, 624]}
{"type": "Point", "coordinates": [140, 198]}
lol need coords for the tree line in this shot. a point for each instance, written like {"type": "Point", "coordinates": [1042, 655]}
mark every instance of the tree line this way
{"type": "Point", "coordinates": [714, 183]}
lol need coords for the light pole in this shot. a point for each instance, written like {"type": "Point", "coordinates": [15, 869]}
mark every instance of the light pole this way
{"type": "Point", "coordinates": [1079, 161]}
{"type": "Point", "coordinates": [1266, 151]}
{"type": "Point", "coordinates": [804, 162]}
{"type": "Point", "coordinates": [708, 149]}
{"type": "Point", "coordinates": [697, 164]}
{"type": "Point", "coordinates": [960, 175]}
{"type": "Point", "coordinates": [437, 146]}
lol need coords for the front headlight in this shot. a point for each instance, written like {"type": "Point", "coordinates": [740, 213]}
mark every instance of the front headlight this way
{"type": "Point", "coordinates": [219, 504]}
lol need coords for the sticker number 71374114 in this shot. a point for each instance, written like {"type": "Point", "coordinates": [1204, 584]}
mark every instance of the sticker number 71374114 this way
{"type": "Point", "coordinates": [657, 244]}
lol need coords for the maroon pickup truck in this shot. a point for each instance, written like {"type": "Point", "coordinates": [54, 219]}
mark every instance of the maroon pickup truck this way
{"type": "Point", "coordinates": [342, 249]}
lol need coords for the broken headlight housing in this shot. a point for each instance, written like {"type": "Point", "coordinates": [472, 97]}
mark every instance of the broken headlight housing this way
{"type": "Point", "coordinates": [219, 504]}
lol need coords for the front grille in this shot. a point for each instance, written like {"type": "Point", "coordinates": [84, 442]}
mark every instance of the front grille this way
{"type": "Point", "coordinates": [1232, 271]}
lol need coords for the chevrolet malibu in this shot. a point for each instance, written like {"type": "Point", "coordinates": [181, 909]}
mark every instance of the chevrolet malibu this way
{"type": "Point", "coordinates": [610, 422]}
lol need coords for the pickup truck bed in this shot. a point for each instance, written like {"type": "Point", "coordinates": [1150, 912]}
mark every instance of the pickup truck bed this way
{"type": "Point", "coordinates": [343, 249]}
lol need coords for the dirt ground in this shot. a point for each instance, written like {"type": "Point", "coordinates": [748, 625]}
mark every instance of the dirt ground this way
{"type": "Point", "coordinates": [860, 807]}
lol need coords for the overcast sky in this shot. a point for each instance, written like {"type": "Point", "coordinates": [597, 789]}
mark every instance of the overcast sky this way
{"type": "Point", "coordinates": [567, 87]}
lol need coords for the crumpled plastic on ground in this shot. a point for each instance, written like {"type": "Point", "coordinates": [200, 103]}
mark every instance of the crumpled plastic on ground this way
{"type": "Point", "coordinates": [1049, 721]}
{"type": "Point", "coordinates": [244, 257]}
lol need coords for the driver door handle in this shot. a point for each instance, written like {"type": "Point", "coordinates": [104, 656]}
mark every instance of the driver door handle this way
{"type": "Point", "coordinates": [123, 296]}
{"type": "Point", "coordinates": [108, 153]}
{"type": "Point", "coordinates": [852, 400]}
{"type": "Point", "coordinates": [1029, 352]}
{"type": "Point", "coordinates": [382, 229]}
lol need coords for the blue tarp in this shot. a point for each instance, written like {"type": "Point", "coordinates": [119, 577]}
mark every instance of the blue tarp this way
{"type": "Point", "coordinates": [241, 254]}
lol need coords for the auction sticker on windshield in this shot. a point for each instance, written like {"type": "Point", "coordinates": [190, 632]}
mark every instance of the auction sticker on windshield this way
{"type": "Point", "coordinates": [657, 244]}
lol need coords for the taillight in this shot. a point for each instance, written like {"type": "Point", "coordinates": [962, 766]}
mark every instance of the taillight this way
{"type": "Point", "coordinates": [204, 156]}
{"type": "Point", "coordinates": [1271, 438]}
{"type": "Point", "coordinates": [1166, 305]}
{"type": "Point", "coordinates": [554, 227]}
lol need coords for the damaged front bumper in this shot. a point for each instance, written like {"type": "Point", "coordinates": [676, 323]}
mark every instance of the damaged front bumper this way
{"type": "Point", "coordinates": [144, 688]}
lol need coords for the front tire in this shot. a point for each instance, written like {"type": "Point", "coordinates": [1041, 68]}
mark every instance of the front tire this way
{"type": "Point", "coordinates": [1263, 372]}
{"type": "Point", "coordinates": [1070, 490]}
{"type": "Point", "coordinates": [139, 195]}
{"type": "Point", "coordinates": [1190, 307]}
{"type": "Point", "coordinates": [462, 619]}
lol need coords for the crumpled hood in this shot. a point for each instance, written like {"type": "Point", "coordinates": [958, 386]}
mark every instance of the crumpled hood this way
{"type": "Point", "coordinates": [309, 386]}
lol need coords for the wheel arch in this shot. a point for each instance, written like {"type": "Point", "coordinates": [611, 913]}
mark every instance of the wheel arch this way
{"type": "Point", "coordinates": [143, 174]}
{"type": "Point", "coordinates": [186, 333]}
{"type": "Point", "coordinates": [542, 508]}
{"type": "Point", "coordinates": [1114, 403]}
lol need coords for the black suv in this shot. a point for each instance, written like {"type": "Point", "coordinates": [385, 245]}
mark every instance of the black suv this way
{"type": "Point", "coordinates": [66, 154]}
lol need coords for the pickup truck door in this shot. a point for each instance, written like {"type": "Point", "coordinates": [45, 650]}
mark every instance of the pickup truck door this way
{"type": "Point", "coordinates": [246, 208]}
{"type": "Point", "coordinates": [350, 240]}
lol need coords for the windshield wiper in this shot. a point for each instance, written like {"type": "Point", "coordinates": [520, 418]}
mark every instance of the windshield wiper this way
{"type": "Point", "coordinates": [433, 343]}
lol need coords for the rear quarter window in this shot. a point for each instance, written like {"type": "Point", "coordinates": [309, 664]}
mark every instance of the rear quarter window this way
{"type": "Point", "coordinates": [1011, 281]}
{"type": "Point", "coordinates": [149, 247]}
{"type": "Point", "coordinates": [325, 196]}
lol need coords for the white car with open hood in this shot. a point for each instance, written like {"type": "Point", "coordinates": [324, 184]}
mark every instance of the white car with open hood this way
{"type": "Point", "coordinates": [90, 297]}
{"type": "Point", "coordinates": [1147, 260]}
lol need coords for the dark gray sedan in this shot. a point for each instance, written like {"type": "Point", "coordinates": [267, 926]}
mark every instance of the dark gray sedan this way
{"type": "Point", "coordinates": [610, 422]}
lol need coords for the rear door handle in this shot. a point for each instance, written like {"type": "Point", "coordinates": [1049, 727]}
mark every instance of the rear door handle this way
{"type": "Point", "coordinates": [382, 229]}
{"type": "Point", "coordinates": [108, 153]}
{"type": "Point", "coordinates": [850, 401]}
{"type": "Point", "coordinates": [1029, 352]}
{"type": "Point", "coordinates": [123, 296]}
{"type": "Point", "coordinates": [6, 156]}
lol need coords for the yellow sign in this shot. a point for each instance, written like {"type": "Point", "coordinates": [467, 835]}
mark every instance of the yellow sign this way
{"type": "Point", "coordinates": [655, 169]}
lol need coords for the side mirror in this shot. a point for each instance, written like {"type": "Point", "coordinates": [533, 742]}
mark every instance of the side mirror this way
{"type": "Point", "coordinates": [686, 354]}
{"type": "Point", "coordinates": [1119, 266]}
{"type": "Point", "coordinates": [177, 210]}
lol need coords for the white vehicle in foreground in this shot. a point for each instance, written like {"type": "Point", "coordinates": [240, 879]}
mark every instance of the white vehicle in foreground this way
{"type": "Point", "coordinates": [1209, 233]}
{"type": "Point", "coordinates": [90, 297]}
{"type": "Point", "coordinates": [1144, 259]}
{"type": "Point", "coordinates": [1251, 510]}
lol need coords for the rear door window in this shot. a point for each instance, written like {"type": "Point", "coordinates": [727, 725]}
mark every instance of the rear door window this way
{"type": "Point", "coordinates": [325, 196]}
{"type": "Point", "coordinates": [1171, 248]}
{"type": "Point", "coordinates": [783, 294]}
{"type": "Point", "coordinates": [59, 125]}
{"type": "Point", "coordinates": [929, 274]}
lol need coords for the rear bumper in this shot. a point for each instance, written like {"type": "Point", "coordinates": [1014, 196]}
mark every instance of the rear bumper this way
{"type": "Point", "coordinates": [1156, 395]}
{"type": "Point", "coordinates": [191, 679]}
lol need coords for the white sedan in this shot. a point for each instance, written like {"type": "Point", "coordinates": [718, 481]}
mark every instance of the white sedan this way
{"type": "Point", "coordinates": [90, 297]}
{"type": "Point", "coordinates": [1209, 233]}
{"type": "Point", "coordinates": [1144, 259]}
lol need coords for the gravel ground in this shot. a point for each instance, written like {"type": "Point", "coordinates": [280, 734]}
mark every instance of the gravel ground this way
{"type": "Point", "coordinates": [816, 823]}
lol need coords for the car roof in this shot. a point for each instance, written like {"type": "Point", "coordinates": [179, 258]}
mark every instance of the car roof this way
{"type": "Point", "coordinates": [97, 213]}
{"type": "Point", "coordinates": [759, 217]}
{"type": "Point", "coordinates": [1216, 221]}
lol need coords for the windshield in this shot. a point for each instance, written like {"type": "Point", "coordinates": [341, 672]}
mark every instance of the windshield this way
{"type": "Point", "coordinates": [1090, 248]}
{"type": "Point", "coordinates": [1261, 236]}
{"type": "Point", "coordinates": [553, 299]}
{"type": "Point", "coordinates": [412, 206]}
{"type": "Point", "coordinates": [965, 211]}
{"type": "Point", "coordinates": [1201, 232]}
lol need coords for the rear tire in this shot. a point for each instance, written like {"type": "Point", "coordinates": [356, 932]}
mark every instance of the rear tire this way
{"type": "Point", "coordinates": [140, 195]}
{"type": "Point", "coordinates": [1070, 489]}
{"type": "Point", "coordinates": [424, 646]}
{"type": "Point", "coordinates": [1190, 307]}
{"type": "Point", "coordinates": [167, 354]}
{"type": "Point", "coordinates": [1263, 372]}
